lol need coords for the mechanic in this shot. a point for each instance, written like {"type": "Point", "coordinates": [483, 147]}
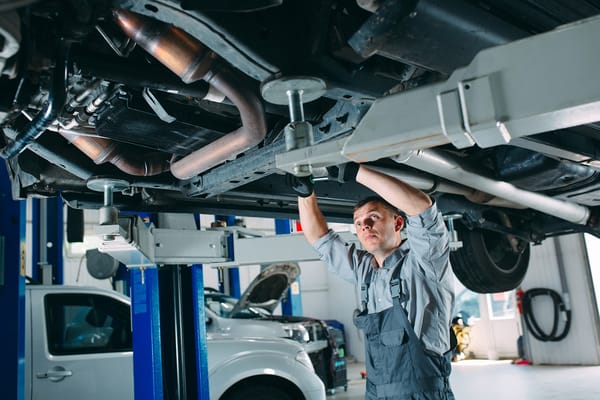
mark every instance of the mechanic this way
{"type": "Point", "coordinates": [407, 288]}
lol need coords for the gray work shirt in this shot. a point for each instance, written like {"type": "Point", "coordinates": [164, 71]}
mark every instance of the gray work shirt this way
{"type": "Point", "coordinates": [426, 275]}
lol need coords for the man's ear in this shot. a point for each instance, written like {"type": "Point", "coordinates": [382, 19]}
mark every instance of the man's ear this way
{"type": "Point", "coordinates": [399, 223]}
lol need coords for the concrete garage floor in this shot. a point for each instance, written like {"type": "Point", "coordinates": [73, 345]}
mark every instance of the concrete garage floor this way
{"type": "Point", "coordinates": [501, 380]}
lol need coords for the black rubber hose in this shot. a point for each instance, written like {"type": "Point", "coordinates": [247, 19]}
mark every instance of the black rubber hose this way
{"type": "Point", "coordinates": [43, 119]}
{"type": "Point", "coordinates": [559, 307]}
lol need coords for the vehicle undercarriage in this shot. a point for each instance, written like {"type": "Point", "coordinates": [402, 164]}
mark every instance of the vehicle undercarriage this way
{"type": "Point", "coordinates": [184, 106]}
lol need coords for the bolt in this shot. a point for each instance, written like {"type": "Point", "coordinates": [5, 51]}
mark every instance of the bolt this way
{"type": "Point", "coordinates": [302, 170]}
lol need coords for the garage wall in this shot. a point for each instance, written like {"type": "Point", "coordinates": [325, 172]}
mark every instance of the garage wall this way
{"type": "Point", "coordinates": [582, 345]}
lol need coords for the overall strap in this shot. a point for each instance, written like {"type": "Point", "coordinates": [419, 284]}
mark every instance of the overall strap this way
{"type": "Point", "coordinates": [395, 283]}
{"type": "Point", "coordinates": [364, 289]}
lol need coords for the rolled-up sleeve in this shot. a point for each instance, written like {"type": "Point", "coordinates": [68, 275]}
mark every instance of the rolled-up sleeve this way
{"type": "Point", "coordinates": [429, 242]}
{"type": "Point", "coordinates": [341, 257]}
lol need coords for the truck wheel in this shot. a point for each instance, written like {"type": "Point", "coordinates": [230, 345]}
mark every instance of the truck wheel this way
{"type": "Point", "coordinates": [487, 262]}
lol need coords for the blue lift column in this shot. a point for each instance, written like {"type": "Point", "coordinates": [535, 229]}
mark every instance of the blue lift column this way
{"type": "Point", "coordinates": [145, 318]}
{"type": "Point", "coordinates": [12, 290]}
{"type": "Point", "coordinates": [55, 237]}
{"type": "Point", "coordinates": [169, 333]}
{"type": "Point", "coordinates": [47, 236]}
{"type": "Point", "coordinates": [293, 303]}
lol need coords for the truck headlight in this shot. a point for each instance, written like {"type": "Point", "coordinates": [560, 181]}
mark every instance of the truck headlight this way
{"type": "Point", "coordinates": [296, 332]}
{"type": "Point", "coordinates": [303, 358]}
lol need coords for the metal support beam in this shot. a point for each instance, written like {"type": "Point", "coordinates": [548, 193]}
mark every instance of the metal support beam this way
{"type": "Point", "coordinates": [185, 366]}
{"type": "Point", "coordinates": [12, 290]}
{"type": "Point", "coordinates": [199, 314]}
{"type": "Point", "coordinates": [136, 244]}
{"type": "Point", "coordinates": [170, 351]}
{"type": "Point", "coordinates": [292, 305]}
{"type": "Point", "coordinates": [500, 96]}
{"type": "Point", "coordinates": [176, 323]}
{"type": "Point", "coordinates": [54, 215]}
{"type": "Point", "coordinates": [233, 287]}
{"type": "Point", "coordinates": [278, 249]}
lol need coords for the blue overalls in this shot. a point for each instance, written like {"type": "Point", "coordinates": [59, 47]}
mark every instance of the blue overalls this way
{"type": "Point", "coordinates": [398, 365]}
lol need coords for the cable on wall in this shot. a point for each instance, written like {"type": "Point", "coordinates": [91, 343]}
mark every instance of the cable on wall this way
{"type": "Point", "coordinates": [559, 308]}
{"type": "Point", "coordinates": [562, 304]}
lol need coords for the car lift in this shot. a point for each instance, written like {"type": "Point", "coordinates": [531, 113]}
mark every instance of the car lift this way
{"type": "Point", "coordinates": [170, 334]}
{"type": "Point", "coordinates": [538, 84]}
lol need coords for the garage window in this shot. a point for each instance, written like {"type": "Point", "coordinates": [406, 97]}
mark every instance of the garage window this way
{"type": "Point", "coordinates": [502, 305]}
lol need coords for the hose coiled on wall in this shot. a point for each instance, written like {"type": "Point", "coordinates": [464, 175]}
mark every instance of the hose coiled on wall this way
{"type": "Point", "coordinates": [559, 307]}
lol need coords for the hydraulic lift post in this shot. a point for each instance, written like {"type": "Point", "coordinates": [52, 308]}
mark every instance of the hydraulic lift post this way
{"type": "Point", "coordinates": [168, 262]}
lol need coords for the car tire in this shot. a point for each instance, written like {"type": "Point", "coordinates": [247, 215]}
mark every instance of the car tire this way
{"type": "Point", "coordinates": [487, 263]}
{"type": "Point", "coordinates": [258, 392]}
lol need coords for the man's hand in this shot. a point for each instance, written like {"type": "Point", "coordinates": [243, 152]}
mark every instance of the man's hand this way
{"type": "Point", "coordinates": [303, 186]}
{"type": "Point", "coordinates": [344, 172]}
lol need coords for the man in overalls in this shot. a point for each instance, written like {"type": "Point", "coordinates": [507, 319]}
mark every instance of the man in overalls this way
{"type": "Point", "coordinates": [407, 288]}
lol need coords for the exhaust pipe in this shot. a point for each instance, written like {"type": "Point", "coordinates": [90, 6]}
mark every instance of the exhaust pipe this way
{"type": "Point", "coordinates": [448, 167]}
{"type": "Point", "coordinates": [430, 184]}
{"type": "Point", "coordinates": [102, 150]}
{"type": "Point", "coordinates": [191, 61]}
{"type": "Point", "coordinates": [47, 115]}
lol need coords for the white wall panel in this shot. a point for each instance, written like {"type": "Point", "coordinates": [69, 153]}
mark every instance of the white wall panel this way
{"type": "Point", "coordinates": [582, 345]}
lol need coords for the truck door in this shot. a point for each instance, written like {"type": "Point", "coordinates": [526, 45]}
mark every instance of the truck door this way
{"type": "Point", "coordinates": [81, 347]}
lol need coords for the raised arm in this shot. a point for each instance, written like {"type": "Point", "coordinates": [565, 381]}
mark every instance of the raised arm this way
{"type": "Point", "coordinates": [313, 222]}
{"type": "Point", "coordinates": [407, 198]}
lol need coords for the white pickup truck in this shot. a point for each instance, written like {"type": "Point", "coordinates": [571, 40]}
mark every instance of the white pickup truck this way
{"type": "Point", "coordinates": [79, 346]}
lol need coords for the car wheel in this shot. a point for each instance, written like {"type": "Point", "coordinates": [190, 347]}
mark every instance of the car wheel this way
{"type": "Point", "coordinates": [258, 392]}
{"type": "Point", "coordinates": [489, 262]}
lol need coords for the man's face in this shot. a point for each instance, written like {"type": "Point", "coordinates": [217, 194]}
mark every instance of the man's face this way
{"type": "Point", "coordinates": [377, 228]}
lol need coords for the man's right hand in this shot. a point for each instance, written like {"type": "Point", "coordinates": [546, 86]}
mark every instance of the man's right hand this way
{"type": "Point", "coordinates": [303, 186]}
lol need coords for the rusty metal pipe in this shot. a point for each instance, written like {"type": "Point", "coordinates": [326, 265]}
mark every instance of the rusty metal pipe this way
{"type": "Point", "coordinates": [191, 60]}
{"type": "Point", "coordinates": [102, 150]}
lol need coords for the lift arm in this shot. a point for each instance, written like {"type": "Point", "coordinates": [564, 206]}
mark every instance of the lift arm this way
{"type": "Point", "coordinates": [138, 245]}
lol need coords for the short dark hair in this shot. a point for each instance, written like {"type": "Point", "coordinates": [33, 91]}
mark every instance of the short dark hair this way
{"type": "Point", "coordinates": [380, 200]}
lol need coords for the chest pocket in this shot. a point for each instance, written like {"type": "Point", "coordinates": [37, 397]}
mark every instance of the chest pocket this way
{"type": "Point", "coordinates": [395, 337]}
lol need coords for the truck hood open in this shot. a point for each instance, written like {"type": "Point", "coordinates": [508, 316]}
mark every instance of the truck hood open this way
{"type": "Point", "coordinates": [268, 288]}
